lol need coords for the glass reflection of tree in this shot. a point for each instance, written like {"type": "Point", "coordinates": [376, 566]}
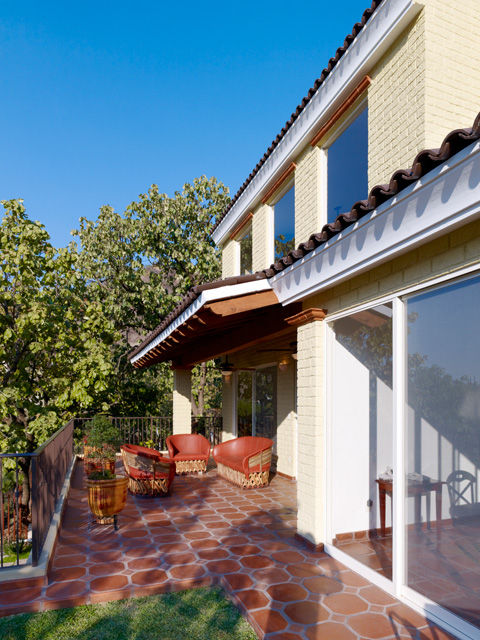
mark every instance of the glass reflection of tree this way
{"type": "Point", "coordinates": [246, 254]}
{"type": "Point", "coordinates": [244, 403]}
{"type": "Point", "coordinates": [371, 345]}
{"type": "Point", "coordinates": [451, 405]}
{"type": "Point", "coordinates": [283, 246]}
{"type": "Point", "coordinates": [265, 406]}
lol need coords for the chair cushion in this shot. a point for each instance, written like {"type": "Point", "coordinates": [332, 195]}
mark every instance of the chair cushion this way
{"type": "Point", "coordinates": [137, 450]}
{"type": "Point", "coordinates": [144, 475]}
{"type": "Point", "coordinates": [180, 457]}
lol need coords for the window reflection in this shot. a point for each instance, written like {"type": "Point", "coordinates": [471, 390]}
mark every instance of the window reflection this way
{"type": "Point", "coordinates": [443, 447]}
{"type": "Point", "coordinates": [246, 256]}
{"type": "Point", "coordinates": [284, 212]}
{"type": "Point", "coordinates": [348, 167]}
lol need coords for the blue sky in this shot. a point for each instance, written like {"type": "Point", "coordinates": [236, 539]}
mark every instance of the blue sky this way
{"type": "Point", "coordinates": [101, 99]}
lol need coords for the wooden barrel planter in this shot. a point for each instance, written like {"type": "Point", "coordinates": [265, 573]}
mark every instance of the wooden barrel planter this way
{"type": "Point", "coordinates": [106, 498]}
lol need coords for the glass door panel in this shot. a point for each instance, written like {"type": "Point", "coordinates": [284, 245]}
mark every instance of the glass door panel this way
{"type": "Point", "coordinates": [362, 437]}
{"type": "Point", "coordinates": [244, 403]}
{"type": "Point", "coordinates": [442, 508]}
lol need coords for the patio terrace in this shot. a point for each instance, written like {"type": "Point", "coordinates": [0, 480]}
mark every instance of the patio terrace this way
{"type": "Point", "coordinates": [209, 532]}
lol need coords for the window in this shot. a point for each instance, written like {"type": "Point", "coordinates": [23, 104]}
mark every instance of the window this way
{"type": "Point", "coordinates": [284, 222]}
{"type": "Point", "coordinates": [348, 168]}
{"type": "Point", "coordinates": [257, 403]}
{"type": "Point", "coordinates": [246, 252]}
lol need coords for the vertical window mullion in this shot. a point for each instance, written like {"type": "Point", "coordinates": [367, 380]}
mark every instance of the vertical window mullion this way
{"type": "Point", "coordinates": [399, 390]}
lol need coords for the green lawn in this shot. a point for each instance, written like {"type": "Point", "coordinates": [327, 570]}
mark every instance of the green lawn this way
{"type": "Point", "coordinates": [197, 614]}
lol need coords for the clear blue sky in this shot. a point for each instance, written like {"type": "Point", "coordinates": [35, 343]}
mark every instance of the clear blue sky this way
{"type": "Point", "coordinates": [101, 99]}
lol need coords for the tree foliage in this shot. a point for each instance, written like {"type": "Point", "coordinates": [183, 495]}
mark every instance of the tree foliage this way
{"type": "Point", "coordinates": [139, 265]}
{"type": "Point", "coordinates": [54, 339]}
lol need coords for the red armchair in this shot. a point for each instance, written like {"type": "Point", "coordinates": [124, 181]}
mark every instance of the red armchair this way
{"type": "Point", "coordinates": [149, 473]}
{"type": "Point", "coordinates": [244, 461]}
{"type": "Point", "coordinates": [189, 451]}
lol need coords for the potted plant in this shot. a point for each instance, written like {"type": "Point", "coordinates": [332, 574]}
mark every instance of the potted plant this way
{"type": "Point", "coordinates": [100, 445]}
{"type": "Point", "coordinates": [107, 493]}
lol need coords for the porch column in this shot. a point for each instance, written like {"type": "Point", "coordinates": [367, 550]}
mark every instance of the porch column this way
{"type": "Point", "coordinates": [182, 400]}
{"type": "Point", "coordinates": [311, 490]}
{"type": "Point", "coordinates": [229, 408]}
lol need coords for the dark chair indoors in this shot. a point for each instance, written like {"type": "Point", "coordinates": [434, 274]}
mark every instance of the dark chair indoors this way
{"type": "Point", "coordinates": [462, 491]}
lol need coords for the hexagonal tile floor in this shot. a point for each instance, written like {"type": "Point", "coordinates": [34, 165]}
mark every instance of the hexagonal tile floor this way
{"type": "Point", "coordinates": [210, 532]}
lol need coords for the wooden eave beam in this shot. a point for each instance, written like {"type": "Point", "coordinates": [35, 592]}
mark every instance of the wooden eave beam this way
{"type": "Point", "coordinates": [251, 302]}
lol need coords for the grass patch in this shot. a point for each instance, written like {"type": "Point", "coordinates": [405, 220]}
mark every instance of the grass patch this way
{"type": "Point", "coordinates": [197, 614]}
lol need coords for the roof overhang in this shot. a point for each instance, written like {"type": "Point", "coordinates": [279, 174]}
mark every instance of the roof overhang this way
{"type": "Point", "coordinates": [445, 198]}
{"type": "Point", "coordinates": [386, 24]}
{"type": "Point", "coordinates": [219, 321]}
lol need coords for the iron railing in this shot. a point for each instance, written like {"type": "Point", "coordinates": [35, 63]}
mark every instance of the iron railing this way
{"type": "Point", "coordinates": [154, 430]}
{"type": "Point", "coordinates": [46, 468]}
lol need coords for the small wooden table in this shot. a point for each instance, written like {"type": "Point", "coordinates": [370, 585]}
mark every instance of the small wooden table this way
{"type": "Point", "coordinates": [417, 490]}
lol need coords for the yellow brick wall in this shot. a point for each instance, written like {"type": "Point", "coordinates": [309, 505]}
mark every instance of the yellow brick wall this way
{"type": "Point", "coordinates": [262, 237]}
{"type": "Point", "coordinates": [308, 193]}
{"type": "Point", "coordinates": [182, 401]}
{"type": "Point", "coordinates": [230, 259]}
{"type": "Point", "coordinates": [228, 407]}
{"type": "Point", "coordinates": [311, 437]}
{"type": "Point", "coordinates": [452, 66]}
{"type": "Point", "coordinates": [426, 85]}
{"type": "Point", "coordinates": [396, 105]}
{"type": "Point", "coordinates": [286, 436]}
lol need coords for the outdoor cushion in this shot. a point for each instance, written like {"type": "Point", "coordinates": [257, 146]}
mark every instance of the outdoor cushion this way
{"type": "Point", "coordinates": [244, 461]}
{"type": "Point", "coordinates": [189, 451]}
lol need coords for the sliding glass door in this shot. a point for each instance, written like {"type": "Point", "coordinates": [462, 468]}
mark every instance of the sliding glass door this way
{"type": "Point", "coordinates": [442, 447]}
{"type": "Point", "coordinates": [257, 403]}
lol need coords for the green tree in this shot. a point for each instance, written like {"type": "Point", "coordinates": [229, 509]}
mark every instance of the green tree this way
{"type": "Point", "coordinates": [54, 353]}
{"type": "Point", "coordinates": [139, 265]}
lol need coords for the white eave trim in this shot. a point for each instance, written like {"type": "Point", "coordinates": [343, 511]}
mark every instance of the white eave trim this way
{"type": "Point", "coordinates": [381, 30]}
{"type": "Point", "coordinates": [446, 198]}
{"type": "Point", "coordinates": [209, 295]}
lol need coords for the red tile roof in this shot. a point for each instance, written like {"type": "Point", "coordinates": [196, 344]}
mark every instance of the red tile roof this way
{"type": "Point", "coordinates": [357, 27]}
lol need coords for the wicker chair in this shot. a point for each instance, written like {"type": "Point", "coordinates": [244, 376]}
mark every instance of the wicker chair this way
{"type": "Point", "coordinates": [189, 451]}
{"type": "Point", "coordinates": [244, 461]}
{"type": "Point", "coordinates": [149, 473]}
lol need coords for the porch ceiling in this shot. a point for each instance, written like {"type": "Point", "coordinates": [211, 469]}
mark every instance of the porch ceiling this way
{"type": "Point", "coordinates": [224, 326]}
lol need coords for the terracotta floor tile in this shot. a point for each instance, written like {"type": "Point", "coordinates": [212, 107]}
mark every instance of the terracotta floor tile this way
{"type": "Point", "coordinates": [187, 571]}
{"type": "Point", "coordinates": [345, 603]}
{"type": "Point", "coordinates": [371, 625]}
{"type": "Point", "coordinates": [151, 562]}
{"type": "Point", "coordinates": [223, 566]}
{"type": "Point", "coordinates": [105, 568]}
{"type": "Point", "coordinates": [256, 562]}
{"type": "Point", "coordinates": [108, 583]}
{"type": "Point", "coordinates": [288, 557]}
{"type": "Point", "coordinates": [330, 631]}
{"type": "Point", "coordinates": [252, 599]}
{"type": "Point", "coordinates": [238, 581]}
{"type": "Point", "coordinates": [67, 590]}
{"type": "Point", "coordinates": [269, 621]}
{"type": "Point", "coordinates": [306, 612]}
{"type": "Point", "coordinates": [14, 609]}
{"type": "Point", "coordinates": [20, 595]}
{"type": "Point", "coordinates": [287, 592]}
{"type": "Point", "coordinates": [323, 584]}
{"type": "Point", "coordinates": [376, 596]}
{"type": "Point", "coordinates": [110, 596]}
{"type": "Point", "coordinates": [150, 576]}
{"type": "Point", "coordinates": [212, 554]}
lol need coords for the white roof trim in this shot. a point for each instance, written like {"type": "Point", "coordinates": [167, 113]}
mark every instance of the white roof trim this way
{"type": "Point", "coordinates": [209, 295]}
{"type": "Point", "coordinates": [381, 30]}
{"type": "Point", "coordinates": [445, 198]}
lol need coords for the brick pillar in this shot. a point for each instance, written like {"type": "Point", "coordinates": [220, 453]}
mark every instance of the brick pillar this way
{"type": "Point", "coordinates": [182, 400]}
{"type": "Point", "coordinates": [311, 490]}
{"type": "Point", "coordinates": [229, 409]}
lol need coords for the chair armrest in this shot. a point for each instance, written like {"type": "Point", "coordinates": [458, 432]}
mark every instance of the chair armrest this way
{"type": "Point", "coordinates": [261, 458]}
